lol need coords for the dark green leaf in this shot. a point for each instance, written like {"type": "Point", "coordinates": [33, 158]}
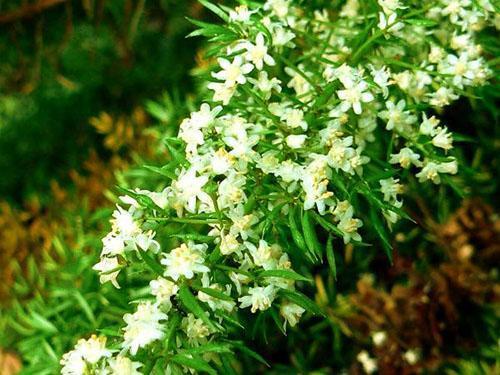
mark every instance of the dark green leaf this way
{"type": "Point", "coordinates": [301, 300]}
{"type": "Point", "coordinates": [285, 274]}
{"type": "Point", "coordinates": [330, 256]}
{"type": "Point", "coordinates": [191, 303]}
{"type": "Point", "coordinates": [194, 362]}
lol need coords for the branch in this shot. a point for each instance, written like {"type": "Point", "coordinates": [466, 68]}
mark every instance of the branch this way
{"type": "Point", "coordinates": [28, 10]}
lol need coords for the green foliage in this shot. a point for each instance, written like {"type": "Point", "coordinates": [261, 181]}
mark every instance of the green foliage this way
{"type": "Point", "coordinates": [69, 65]}
{"type": "Point", "coordinates": [334, 279]}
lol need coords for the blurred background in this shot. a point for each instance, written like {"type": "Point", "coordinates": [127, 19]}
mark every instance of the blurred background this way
{"type": "Point", "coordinates": [86, 89]}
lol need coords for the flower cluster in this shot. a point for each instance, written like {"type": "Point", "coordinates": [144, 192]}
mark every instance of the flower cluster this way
{"type": "Point", "coordinates": [304, 123]}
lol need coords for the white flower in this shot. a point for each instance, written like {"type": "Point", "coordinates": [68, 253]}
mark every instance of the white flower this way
{"type": "Point", "coordinates": [291, 312]}
{"type": "Point", "coordinates": [454, 9]}
{"type": "Point", "coordinates": [145, 241]}
{"type": "Point", "coordinates": [93, 349]}
{"type": "Point", "coordinates": [185, 260]}
{"type": "Point", "coordinates": [396, 117]}
{"type": "Point", "coordinates": [213, 302]}
{"type": "Point", "coordinates": [406, 156]}
{"type": "Point", "coordinates": [349, 227]}
{"type": "Point", "coordinates": [163, 290]}
{"type": "Point", "coordinates": [229, 244]}
{"type": "Point", "coordinates": [85, 352]}
{"type": "Point", "coordinates": [267, 162]}
{"type": "Point", "coordinates": [187, 190]}
{"type": "Point", "coordinates": [262, 255]}
{"type": "Point", "coordinates": [294, 118]}
{"type": "Point", "coordinates": [257, 53]}
{"type": "Point", "coordinates": [205, 116]}
{"type": "Point", "coordinates": [443, 139]}
{"type": "Point", "coordinates": [353, 95]}
{"type": "Point", "coordinates": [295, 140]}
{"type": "Point", "coordinates": [242, 147]}
{"type": "Point", "coordinates": [266, 85]}
{"type": "Point", "coordinates": [221, 161]}
{"type": "Point", "coordinates": [379, 338]}
{"type": "Point", "coordinates": [123, 366]}
{"type": "Point", "coordinates": [73, 364]}
{"type": "Point", "coordinates": [390, 187]}
{"type": "Point", "coordinates": [315, 183]}
{"type": "Point", "coordinates": [381, 78]}
{"type": "Point", "coordinates": [260, 298]}
{"type": "Point", "coordinates": [431, 171]}
{"type": "Point", "coordinates": [301, 86]}
{"type": "Point", "coordinates": [340, 154]}
{"type": "Point", "coordinates": [369, 364]}
{"type": "Point", "coordinates": [240, 14]}
{"type": "Point", "coordinates": [108, 268]}
{"type": "Point", "coordinates": [390, 6]}
{"type": "Point", "coordinates": [428, 125]}
{"type": "Point", "coordinates": [442, 97]}
{"type": "Point", "coordinates": [436, 54]}
{"type": "Point", "coordinates": [234, 72]}
{"type": "Point", "coordinates": [350, 9]}
{"type": "Point", "coordinates": [190, 130]}
{"type": "Point", "coordinates": [289, 171]}
{"type": "Point", "coordinates": [230, 191]}
{"type": "Point", "coordinates": [282, 37]}
{"type": "Point", "coordinates": [411, 356]}
{"type": "Point", "coordinates": [112, 244]}
{"type": "Point", "coordinates": [403, 80]}
{"type": "Point", "coordinates": [222, 93]}
{"type": "Point", "coordinates": [462, 68]}
{"type": "Point", "coordinates": [143, 327]}
{"type": "Point", "coordinates": [389, 22]}
{"type": "Point", "coordinates": [124, 223]}
{"type": "Point", "coordinates": [238, 280]}
{"type": "Point", "coordinates": [242, 224]}
{"type": "Point", "coordinates": [278, 7]}
{"type": "Point", "coordinates": [196, 331]}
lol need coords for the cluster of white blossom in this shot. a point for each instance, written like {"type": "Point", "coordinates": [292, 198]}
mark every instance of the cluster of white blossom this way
{"type": "Point", "coordinates": [299, 110]}
{"type": "Point", "coordinates": [91, 356]}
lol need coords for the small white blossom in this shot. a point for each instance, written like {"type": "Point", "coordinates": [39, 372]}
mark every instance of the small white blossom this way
{"type": "Point", "coordinates": [124, 366]}
{"type": "Point", "coordinates": [291, 312]}
{"type": "Point", "coordinates": [406, 156]}
{"type": "Point", "coordinates": [187, 190]}
{"type": "Point", "coordinates": [389, 22]}
{"type": "Point", "coordinates": [369, 364]}
{"type": "Point", "coordinates": [257, 53]}
{"type": "Point", "coordinates": [411, 356]}
{"type": "Point", "coordinates": [143, 327]}
{"type": "Point", "coordinates": [379, 338]}
{"type": "Point", "coordinates": [108, 268]}
{"type": "Point", "coordinates": [443, 139]}
{"type": "Point", "coordinates": [431, 171]}
{"type": "Point", "coordinates": [240, 14]}
{"type": "Point", "coordinates": [196, 331]}
{"type": "Point", "coordinates": [428, 125]}
{"type": "Point", "coordinates": [259, 298]}
{"type": "Point", "coordinates": [390, 187]}
{"type": "Point", "coordinates": [294, 118]}
{"type": "Point", "coordinates": [266, 85]}
{"type": "Point", "coordinates": [296, 140]}
{"type": "Point", "coordinates": [396, 117]}
{"type": "Point", "coordinates": [85, 353]}
{"type": "Point", "coordinates": [353, 95]}
{"type": "Point", "coordinates": [222, 93]}
{"type": "Point", "coordinates": [163, 290]}
{"type": "Point", "coordinates": [185, 260]}
{"type": "Point", "coordinates": [234, 72]}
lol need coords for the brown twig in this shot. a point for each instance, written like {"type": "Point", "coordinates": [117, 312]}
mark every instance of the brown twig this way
{"type": "Point", "coordinates": [28, 10]}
